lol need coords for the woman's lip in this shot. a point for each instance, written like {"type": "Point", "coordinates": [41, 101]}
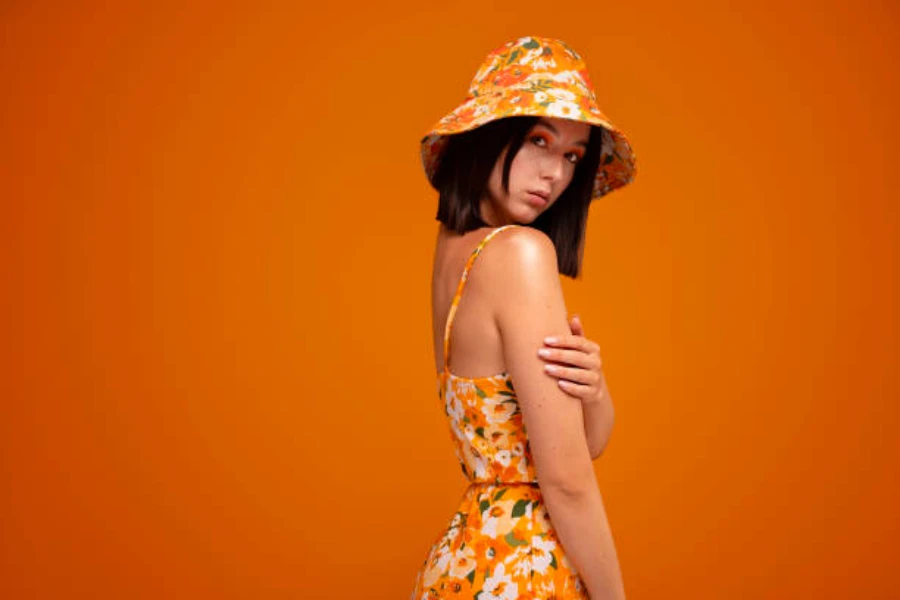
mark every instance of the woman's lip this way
{"type": "Point", "coordinates": [537, 199]}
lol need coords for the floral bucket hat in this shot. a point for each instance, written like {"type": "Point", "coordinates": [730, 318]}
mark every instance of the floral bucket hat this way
{"type": "Point", "coordinates": [535, 76]}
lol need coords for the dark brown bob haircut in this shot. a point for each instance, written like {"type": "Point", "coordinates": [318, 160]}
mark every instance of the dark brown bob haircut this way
{"type": "Point", "coordinates": [465, 166]}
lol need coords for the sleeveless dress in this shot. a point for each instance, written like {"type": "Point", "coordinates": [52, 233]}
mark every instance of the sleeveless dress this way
{"type": "Point", "coordinates": [499, 544]}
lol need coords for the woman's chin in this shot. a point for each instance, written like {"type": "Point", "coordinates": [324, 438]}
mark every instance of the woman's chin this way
{"type": "Point", "coordinates": [527, 214]}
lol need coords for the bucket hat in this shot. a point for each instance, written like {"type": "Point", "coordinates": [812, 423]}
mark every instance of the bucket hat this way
{"type": "Point", "coordinates": [541, 77]}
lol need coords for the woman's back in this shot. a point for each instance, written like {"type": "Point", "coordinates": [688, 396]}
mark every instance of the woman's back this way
{"type": "Point", "coordinates": [499, 541]}
{"type": "Point", "coordinates": [477, 349]}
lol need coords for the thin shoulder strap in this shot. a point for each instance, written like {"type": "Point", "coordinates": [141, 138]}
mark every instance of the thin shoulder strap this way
{"type": "Point", "coordinates": [462, 285]}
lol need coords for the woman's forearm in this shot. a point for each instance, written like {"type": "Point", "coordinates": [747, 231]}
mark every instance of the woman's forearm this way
{"type": "Point", "coordinates": [580, 522]}
{"type": "Point", "coordinates": [598, 422]}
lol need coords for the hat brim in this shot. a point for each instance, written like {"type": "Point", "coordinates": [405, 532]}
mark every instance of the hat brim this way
{"type": "Point", "coordinates": [617, 159]}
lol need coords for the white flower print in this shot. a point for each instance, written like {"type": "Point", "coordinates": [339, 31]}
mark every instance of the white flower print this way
{"type": "Point", "coordinates": [463, 562]}
{"type": "Point", "coordinates": [543, 63]}
{"type": "Point", "coordinates": [436, 568]}
{"type": "Point", "coordinates": [564, 109]}
{"type": "Point", "coordinates": [499, 586]}
{"type": "Point", "coordinates": [520, 561]}
{"type": "Point", "coordinates": [455, 408]}
{"type": "Point", "coordinates": [531, 55]}
{"type": "Point", "coordinates": [475, 461]}
{"type": "Point", "coordinates": [560, 94]}
{"type": "Point", "coordinates": [562, 77]}
{"type": "Point", "coordinates": [495, 410]}
{"type": "Point", "coordinates": [481, 110]}
{"type": "Point", "coordinates": [522, 468]}
{"type": "Point", "coordinates": [498, 519]}
{"type": "Point", "coordinates": [541, 553]}
{"type": "Point", "coordinates": [545, 588]}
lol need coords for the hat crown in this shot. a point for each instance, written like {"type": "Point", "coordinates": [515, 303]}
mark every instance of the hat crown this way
{"type": "Point", "coordinates": [534, 64]}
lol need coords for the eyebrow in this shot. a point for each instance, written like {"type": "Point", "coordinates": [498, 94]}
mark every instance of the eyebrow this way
{"type": "Point", "coordinates": [547, 124]}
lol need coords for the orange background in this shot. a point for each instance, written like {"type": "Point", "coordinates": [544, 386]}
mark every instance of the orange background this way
{"type": "Point", "coordinates": [217, 244]}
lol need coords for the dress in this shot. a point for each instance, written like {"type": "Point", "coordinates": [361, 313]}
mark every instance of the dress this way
{"type": "Point", "coordinates": [500, 542]}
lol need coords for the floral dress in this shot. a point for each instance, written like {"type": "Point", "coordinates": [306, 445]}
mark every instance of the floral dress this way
{"type": "Point", "coordinates": [500, 543]}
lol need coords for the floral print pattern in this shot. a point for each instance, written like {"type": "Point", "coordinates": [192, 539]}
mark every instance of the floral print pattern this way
{"type": "Point", "coordinates": [500, 543]}
{"type": "Point", "coordinates": [535, 76]}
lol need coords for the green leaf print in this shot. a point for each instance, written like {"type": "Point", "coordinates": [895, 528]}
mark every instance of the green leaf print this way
{"type": "Point", "coordinates": [480, 392]}
{"type": "Point", "coordinates": [499, 494]}
{"type": "Point", "coordinates": [471, 576]}
{"type": "Point", "coordinates": [484, 505]}
{"type": "Point", "coordinates": [519, 508]}
{"type": "Point", "coordinates": [513, 540]}
{"type": "Point", "coordinates": [530, 45]}
{"type": "Point", "coordinates": [480, 431]}
{"type": "Point", "coordinates": [553, 561]}
{"type": "Point", "coordinates": [513, 56]}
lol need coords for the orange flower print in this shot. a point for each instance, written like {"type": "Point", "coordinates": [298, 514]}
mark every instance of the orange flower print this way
{"type": "Point", "coordinates": [509, 77]}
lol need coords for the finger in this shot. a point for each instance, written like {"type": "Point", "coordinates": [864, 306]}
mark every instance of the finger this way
{"type": "Point", "coordinates": [575, 389]}
{"type": "Point", "coordinates": [572, 341]}
{"type": "Point", "coordinates": [576, 326]}
{"type": "Point", "coordinates": [573, 374]}
{"type": "Point", "coordinates": [575, 358]}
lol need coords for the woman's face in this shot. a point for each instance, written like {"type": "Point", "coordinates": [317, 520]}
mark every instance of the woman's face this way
{"type": "Point", "coordinates": [539, 173]}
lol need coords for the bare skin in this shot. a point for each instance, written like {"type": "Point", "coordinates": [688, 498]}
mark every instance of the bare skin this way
{"type": "Point", "coordinates": [492, 333]}
{"type": "Point", "coordinates": [545, 164]}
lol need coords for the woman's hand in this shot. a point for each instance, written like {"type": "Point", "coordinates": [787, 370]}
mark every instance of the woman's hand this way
{"type": "Point", "coordinates": [581, 376]}
{"type": "Point", "coordinates": [580, 373]}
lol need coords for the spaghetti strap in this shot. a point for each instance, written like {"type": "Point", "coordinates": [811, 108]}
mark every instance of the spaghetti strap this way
{"type": "Point", "coordinates": [461, 285]}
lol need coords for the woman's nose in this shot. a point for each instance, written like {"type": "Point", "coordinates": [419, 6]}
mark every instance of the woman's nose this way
{"type": "Point", "coordinates": [552, 168]}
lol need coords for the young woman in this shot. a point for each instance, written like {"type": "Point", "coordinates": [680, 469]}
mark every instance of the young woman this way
{"type": "Point", "coordinates": [517, 166]}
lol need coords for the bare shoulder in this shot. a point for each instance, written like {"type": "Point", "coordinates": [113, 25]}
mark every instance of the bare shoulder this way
{"type": "Point", "coordinates": [521, 255]}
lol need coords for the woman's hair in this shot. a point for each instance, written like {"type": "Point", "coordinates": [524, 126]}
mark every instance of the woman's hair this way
{"type": "Point", "coordinates": [465, 167]}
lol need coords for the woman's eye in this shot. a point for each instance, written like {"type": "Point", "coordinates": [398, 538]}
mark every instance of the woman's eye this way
{"type": "Point", "coordinates": [573, 157]}
{"type": "Point", "coordinates": [539, 140]}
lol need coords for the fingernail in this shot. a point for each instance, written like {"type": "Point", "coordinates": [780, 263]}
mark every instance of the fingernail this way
{"type": "Point", "coordinates": [550, 340]}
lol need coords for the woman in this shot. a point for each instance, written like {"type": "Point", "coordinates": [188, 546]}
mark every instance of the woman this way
{"type": "Point", "coordinates": [517, 165]}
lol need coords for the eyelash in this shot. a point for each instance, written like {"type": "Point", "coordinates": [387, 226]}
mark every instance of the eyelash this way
{"type": "Point", "coordinates": [543, 138]}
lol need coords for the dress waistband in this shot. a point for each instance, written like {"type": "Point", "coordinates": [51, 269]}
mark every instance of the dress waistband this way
{"type": "Point", "coordinates": [495, 483]}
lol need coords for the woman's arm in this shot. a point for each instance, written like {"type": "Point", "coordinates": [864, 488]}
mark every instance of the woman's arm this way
{"type": "Point", "coordinates": [532, 307]}
{"type": "Point", "coordinates": [598, 423]}
{"type": "Point", "coordinates": [575, 361]}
